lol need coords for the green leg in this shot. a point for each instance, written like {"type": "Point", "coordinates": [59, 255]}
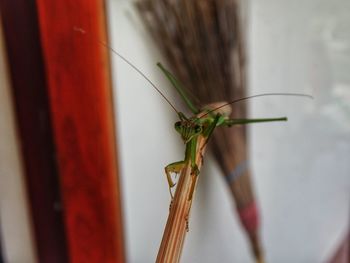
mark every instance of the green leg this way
{"type": "Point", "coordinates": [209, 131]}
{"type": "Point", "coordinates": [173, 168]}
{"type": "Point", "coordinates": [231, 122]}
{"type": "Point", "coordinates": [194, 174]}
{"type": "Point", "coordinates": [194, 167]}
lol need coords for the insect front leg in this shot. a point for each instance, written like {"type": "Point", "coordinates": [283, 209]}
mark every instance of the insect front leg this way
{"type": "Point", "coordinates": [194, 167]}
{"type": "Point", "coordinates": [194, 174]}
{"type": "Point", "coordinates": [173, 168]}
{"type": "Point", "coordinates": [210, 129]}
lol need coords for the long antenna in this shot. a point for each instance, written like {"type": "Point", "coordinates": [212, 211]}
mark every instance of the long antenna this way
{"type": "Point", "coordinates": [259, 95]}
{"type": "Point", "coordinates": [82, 31]}
{"type": "Point", "coordinates": [141, 73]}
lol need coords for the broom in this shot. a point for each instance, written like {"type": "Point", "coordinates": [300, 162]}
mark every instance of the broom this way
{"type": "Point", "coordinates": [204, 44]}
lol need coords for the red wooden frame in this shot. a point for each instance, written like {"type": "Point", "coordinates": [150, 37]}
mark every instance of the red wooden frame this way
{"type": "Point", "coordinates": [79, 85]}
{"type": "Point", "coordinates": [62, 91]}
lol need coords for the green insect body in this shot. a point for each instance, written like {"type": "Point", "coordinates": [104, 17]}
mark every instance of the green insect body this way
{"type": "Point", "coordinates": [202, 123]}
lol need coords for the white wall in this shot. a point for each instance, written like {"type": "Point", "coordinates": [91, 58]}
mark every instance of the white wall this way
{"type": "Point", "coordinates": [301, 167]}
{"type": "Point", "coordinates": [304, 169]}
{"type": "Point", "coordinates": [16, 231]}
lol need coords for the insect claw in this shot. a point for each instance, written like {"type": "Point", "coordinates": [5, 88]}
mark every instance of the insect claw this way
{"type": "Point", "coordinates": [171, 204]}
{"type": "Point", "coordinates": [187, 224]}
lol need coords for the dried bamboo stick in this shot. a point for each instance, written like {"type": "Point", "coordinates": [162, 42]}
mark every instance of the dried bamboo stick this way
{"type": "Point", "coordinates": [178, 220]}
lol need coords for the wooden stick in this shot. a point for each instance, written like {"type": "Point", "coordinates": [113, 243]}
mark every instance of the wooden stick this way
{"type": "Point", "coordinates": [178, 220]}
{"type": "Point", "coordinates": [79, 87]}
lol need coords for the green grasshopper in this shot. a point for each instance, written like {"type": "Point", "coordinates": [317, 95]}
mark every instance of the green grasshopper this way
{"type": "Point", "coordinates": [202, 123]}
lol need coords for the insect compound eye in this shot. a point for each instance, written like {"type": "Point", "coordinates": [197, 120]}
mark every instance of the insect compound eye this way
{"type": "Point", "coordinates": [197, 129]}
{"type": "Point", "coordinates": [178, 125]}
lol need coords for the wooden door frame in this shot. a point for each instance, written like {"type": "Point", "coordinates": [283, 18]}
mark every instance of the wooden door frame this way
{"type": "Point", "coordinates": [60, 76]}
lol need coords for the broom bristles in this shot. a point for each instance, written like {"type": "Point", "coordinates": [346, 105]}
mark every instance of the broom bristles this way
{"type": "Point", "coordinates": [204, 44]}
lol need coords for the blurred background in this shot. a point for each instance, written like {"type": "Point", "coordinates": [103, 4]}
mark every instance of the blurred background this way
{"type": "Point", "coordinates": [117, 211]}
